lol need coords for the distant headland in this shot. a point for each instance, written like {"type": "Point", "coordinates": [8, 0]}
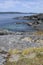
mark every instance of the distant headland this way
{"type": "Point", "coordinates": [16, 13]}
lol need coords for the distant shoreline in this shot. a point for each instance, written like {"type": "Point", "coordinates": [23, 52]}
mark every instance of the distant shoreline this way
{"type": "Point", "coordinates": [16, 13]}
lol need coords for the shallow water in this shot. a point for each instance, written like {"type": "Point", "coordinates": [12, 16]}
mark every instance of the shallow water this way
{"type": "Point", "coordinates": [7, 22]}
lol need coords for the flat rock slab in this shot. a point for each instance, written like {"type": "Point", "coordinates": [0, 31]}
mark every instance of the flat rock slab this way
{"type": "Point", "coordinates": [25, 40]}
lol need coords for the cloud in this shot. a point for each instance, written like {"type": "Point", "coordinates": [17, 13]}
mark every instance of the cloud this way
{"type": "Point", "coordinates": [8, 4]}
{"type": "Point", "coordinates": [35, 6]}
{"type": "Point", "coordinates": [22, 5]}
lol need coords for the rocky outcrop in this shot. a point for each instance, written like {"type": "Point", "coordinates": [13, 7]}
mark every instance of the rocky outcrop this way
{"type": "Point", "coordinates": [33, 17]}
{"type": "Point", "coordinates": [37, 21]}
{"type": "Point", "coordinates": [5, 32]}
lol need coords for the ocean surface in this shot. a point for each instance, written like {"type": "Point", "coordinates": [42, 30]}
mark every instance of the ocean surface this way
{"type": "Point", "coordinates": [7, 22]}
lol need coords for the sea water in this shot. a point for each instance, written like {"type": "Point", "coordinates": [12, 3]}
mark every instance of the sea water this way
{"type": "Point", "coordinates": [7, 22]}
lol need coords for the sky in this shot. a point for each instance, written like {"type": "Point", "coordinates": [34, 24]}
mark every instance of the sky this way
{"type": "Point", "coordinates": [35, 6]}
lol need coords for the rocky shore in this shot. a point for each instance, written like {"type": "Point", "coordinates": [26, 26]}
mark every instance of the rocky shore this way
{"type": "Point", "coordinates": [32, 17]}
{"type": "Point", "coordinates": [22, 40]}
{"type": "Point", "coordinates": [23, 48]}
{"type": "Point", "coordinates": [28, 56]}
{"type": "Point", "coordinates": [15, 47]}
{"type": "Point", "coordinates": [37, 21]}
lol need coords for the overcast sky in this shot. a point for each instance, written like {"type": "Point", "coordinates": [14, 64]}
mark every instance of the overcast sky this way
{"type": "Point", "coordinates": [21, 5]}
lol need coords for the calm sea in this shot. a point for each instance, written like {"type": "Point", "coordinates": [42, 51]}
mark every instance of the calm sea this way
{"type": "Point", "coordinates": [7, 22]}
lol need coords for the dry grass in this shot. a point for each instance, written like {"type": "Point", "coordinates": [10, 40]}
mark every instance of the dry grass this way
{"type": "Point", "coordinates": [36, 60]}
{"type": "Point", "coordinates": [39, 33]}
